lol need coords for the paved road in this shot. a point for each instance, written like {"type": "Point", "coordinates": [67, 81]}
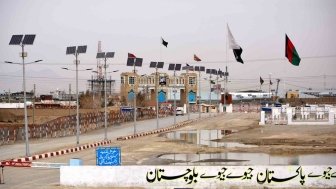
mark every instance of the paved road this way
{"type": "Point", "coordinates": [41, 178]}
{"type": "Point", "coordinates": [38, 146]}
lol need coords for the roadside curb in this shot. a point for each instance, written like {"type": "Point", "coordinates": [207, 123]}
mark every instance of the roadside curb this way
{"type": "Point", "coordinates": [156, 131]}
{"type": "Point", "coordinates": [21, 162]}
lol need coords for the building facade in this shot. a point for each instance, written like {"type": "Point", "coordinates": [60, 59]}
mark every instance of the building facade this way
{"type": "Point", "coordinates": [183, 86]}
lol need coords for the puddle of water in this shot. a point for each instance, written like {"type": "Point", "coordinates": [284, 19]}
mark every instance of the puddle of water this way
{"type": "Point", "coordinates": [205, 138]}
{"type": "Point", "coordinates": [250, 159]}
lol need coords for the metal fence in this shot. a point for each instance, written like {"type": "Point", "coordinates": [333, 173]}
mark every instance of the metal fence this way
{"type": "Point", "coordinates": [66, 126]}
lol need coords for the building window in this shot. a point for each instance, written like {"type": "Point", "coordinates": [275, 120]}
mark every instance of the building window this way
{"type": "Point", "coordinates": [192, 80]}
{"type": "Point", "coordinates": [131, 80]}
{"type": "Point", "coordinates": [122, 80]}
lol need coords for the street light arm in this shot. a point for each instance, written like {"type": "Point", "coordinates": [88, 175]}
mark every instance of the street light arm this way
{"type": "Point", "coordinates": [34, 62]}
{"type": "Point", "coordinates": [9, 62]}
{"type": "Point", "coordinates": [88, 69]}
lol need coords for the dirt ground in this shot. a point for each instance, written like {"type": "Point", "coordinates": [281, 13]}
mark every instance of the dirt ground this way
{"type": "Point", "coordinates": [276, 139]}
{"type": "Point", "coordinates": [272, 139]}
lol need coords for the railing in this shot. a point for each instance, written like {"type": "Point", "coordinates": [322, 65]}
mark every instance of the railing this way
{"type": "Point", "coordinates": [66, 126]}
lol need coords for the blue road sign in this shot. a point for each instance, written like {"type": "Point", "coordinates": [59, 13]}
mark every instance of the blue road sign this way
{"type": "Point", "coordinates": [108, 156]}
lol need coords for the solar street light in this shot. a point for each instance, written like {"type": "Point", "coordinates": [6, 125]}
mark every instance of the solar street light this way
{"type": "Point", "coordinates": [156, 65]}
{"type": "Point", "coordinates": [174, 67]}
{"type": "Point", "coordinates": [76, 51]}
{"type": "Point", "coordinates": [135, 62]}
{"type": "Point", "coordinates": [199, 69]}
{"type": "Point", "coordinates": [23, 40]}
{"type": "Point", "coordinates": [105, 56]}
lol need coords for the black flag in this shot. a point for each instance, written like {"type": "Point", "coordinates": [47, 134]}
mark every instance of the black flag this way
{"type": "Point", "coordinates": [261, 81]}
{"type": "Point", "coordinates": [165, 43]}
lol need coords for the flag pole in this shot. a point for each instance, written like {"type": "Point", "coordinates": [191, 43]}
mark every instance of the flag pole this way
{"type": "Point", "coordinates": [199, 94]}
{"type": "Point", "coordinates": [210, 96]}
{"type": "Point", "coordinates": [157, 89]}
{"type": "Point", "coordinates": [260, 96]}
{"type": "Point", "coordinates": [226, 57]}
{"type": "Point", "coordinates": [269, 88]}
{"type": "Point", "coordinates": [218, 92]}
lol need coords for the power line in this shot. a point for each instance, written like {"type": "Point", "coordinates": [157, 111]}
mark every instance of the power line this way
{"type": "Point", "coordinates": [183, 62]}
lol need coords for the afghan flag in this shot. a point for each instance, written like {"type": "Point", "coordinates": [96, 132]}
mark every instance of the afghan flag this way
{"type": "Point", "coordinates": [196, 58]}
{"type": "Point", "coordinates": [237, 50]}
{"type": "Point", "coordinates": [291, 53]}
{"type": "Point", "coordinates": [130, 55]}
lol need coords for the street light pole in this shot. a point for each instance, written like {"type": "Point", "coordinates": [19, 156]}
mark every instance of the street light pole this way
{"type": "Point", "coordinates": [210, 108]}
{"type": "Point", "coordinates": [25, 103]}
{"type": "Point", "coordinates": [157, 97]}
{"type": "Point", "coordinates": [23, 40]}
{"type": "Point", "coordinates": [25, 99]}
{"type": "Point", "coordinates": [134, 99]}
{"type": "Point", "coordinates": [105, 103]}
{"type": "Point", "coordinates": [105, 56]}
{"type": "Point", "coordinates": [199, 94]}
{"type": "Point", "coordinates": [174, 91]}
{"type": "Point", "coordinates": [76, 51]}
{"type": "Point", "coordinates": [187, 82]}
{"type": "Point", "coordinates": [77, 102]}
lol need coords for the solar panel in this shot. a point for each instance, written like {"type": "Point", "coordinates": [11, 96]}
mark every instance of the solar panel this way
{"type": "Point", "coordinates": [152, 65]}
{"type": "Point", "coordinates": [81, 49]}
{"type": "Point", "coordinates": [28, 39]}
{"type": "Point", "coordinates": [197, 68]}
{"type": "Point", "coordinates": [202, 68]}
{"type": "Point", "coordinates": [100, 55]}
{"type": "Point", "coordinates": [208, 71]}
{"type": "Point", "coordinates": [71, 50]}
{"type": "Point", "coordinates": [171, 67]}
{"type": "Point", "coordinates": [178, 67]}
{"type": "Point", "coordinates": [109, 55]}
{"type": "Point", "coordinates": [160, 64]}
{"type": "Point", "coordinates": [214, 71]}
{"type": "Point", "coordinates": [16, 40]}
{"type": "Point", "coordinates": [138, 62]}
{"type": "Point", "coordinates": [130, 61]}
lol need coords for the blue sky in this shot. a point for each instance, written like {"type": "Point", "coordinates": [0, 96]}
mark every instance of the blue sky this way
{"type": "Point", "coordinates": [190, 27]}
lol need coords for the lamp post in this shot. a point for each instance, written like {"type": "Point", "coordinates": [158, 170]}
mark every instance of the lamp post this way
{"type": "Point", "coordinates": [174, 67]}
{"type": "Point", "coordinates": [269, 88]}
{"type": "Point", "coordinates": [105, 56]}
{"type": "Point", "coordinates": [209, 71]}
{"type": "Point", "coordinates": [133, 61]}
{"type": "Point", "coordinates": [23, 40]}
{"type": "Point", "coordinates": [25, 101]}
{"type": "Point", "coordinates": [156, 65]}
{"type": "Point", "coordinates": [76, 51]}
{"type": "Point", "coordinates": [199, 69]}
{"type": "Point", "coordinates": [77, 101]}
{"type": "Point", "coordinates": [187, 68]}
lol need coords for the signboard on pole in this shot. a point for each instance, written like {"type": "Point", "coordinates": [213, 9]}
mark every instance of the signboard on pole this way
{"type": "Point", "coordinates": [108, 156]}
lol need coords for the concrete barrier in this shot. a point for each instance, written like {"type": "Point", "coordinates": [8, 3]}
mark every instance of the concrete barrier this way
{"type": "Point", "coordinates": [198, 176]}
